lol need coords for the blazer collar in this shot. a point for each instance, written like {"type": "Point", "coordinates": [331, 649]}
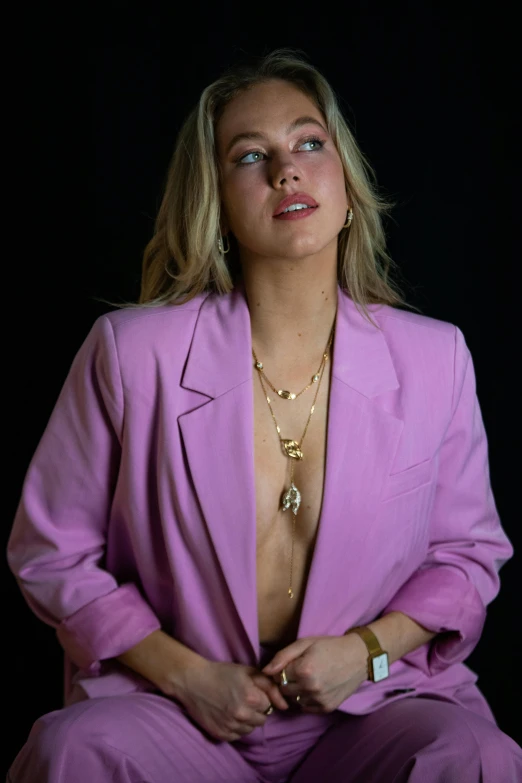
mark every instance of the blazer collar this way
{"type": "Point", "coordinates": [220, 356]}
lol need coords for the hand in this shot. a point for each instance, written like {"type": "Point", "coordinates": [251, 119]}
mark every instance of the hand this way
{"type": "Point", "coordinates": [228, 700]}
{"type": "Point", "coordinates": [323, 670]}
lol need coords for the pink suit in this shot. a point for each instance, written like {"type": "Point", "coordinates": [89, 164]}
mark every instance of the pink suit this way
{"type": "Point", "coordinates": [138, 509]}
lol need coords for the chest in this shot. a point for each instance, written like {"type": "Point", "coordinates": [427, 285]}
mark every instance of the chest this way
{"type": "Point", "coordinates": [278, 613]}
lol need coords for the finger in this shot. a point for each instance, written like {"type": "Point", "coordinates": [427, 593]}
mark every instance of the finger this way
{"type": "Point", "coordinates": [256, 719]}
{"type": "Point", "coordinates": [272, 692]}
{"type": "Point", "coordinates": [285, 656]}
{"type": "Point", "coordinates": [243, 729]}
{"type": "Point", "coordinates": [251, 721]}
{"type": "Point", "coordinates": [293, 689]}
{"type": "Point", "coordinates": [277, 698]}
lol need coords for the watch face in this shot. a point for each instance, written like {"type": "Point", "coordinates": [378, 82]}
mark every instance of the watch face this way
{"type": "Point", "coordinates": [380, 667]}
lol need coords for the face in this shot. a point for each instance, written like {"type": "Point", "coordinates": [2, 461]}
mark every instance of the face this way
{"type": "Point", "coordinates": [257, 173]}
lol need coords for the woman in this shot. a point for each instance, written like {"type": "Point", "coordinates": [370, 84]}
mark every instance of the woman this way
{"type": "Point", "coordinates": [245, 591]}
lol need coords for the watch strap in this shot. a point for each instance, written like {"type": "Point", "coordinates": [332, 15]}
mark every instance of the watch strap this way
{"type": "Point", "coordinates": [369, 638]}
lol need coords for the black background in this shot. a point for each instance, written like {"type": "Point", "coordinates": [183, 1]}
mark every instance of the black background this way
{"type": "Point", "coordinates": [430, 94]}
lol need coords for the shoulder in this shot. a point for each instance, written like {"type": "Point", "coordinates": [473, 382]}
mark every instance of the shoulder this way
{"type": "Point", "coordinates": [147, 318]}
{"type": "Point", "coordinates": [128, 341]}
{"type": "Point", "coordinates": [393, 319]}
{"type": "Point", "coordinates": [427, 349]}
{"type": "Point", "coordinates": [423, 350]}
{"type": "Point", "coordinates": [149, 327]}
{"type": "Point", "coordinates": [411, 333]}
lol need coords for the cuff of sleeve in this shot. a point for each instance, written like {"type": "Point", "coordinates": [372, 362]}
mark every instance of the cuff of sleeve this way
{"type": "Point", "coordinates": [114, 679]}
{"type": "Point", "coordinates": [106, 627]}
{"type": "Point", "coordinates": [442, 600]}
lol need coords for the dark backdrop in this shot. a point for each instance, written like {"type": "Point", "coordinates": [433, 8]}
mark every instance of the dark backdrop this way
{"type": "Point", "coordinates": [430, 96]}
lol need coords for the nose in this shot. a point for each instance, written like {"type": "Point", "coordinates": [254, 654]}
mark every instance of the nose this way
{"type": "Point", "coordinates": [281, 179]}
{"type": "Point", "coordinates": [284, 170]}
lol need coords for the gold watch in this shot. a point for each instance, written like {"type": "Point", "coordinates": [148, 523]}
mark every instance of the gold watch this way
{"type": "Point", "coordinates": [378, 668]}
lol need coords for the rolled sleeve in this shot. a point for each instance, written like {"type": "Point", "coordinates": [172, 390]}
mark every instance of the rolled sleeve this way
{"type": "Point", "coordinates": [57, 544]}
{"type": "Point", "coordinates": [450, 591]}
{"type": "Point", "coordinates": [106, 627]}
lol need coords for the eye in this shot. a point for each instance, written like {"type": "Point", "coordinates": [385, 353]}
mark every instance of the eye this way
{"type": "Point", "coordinates": [241, 160]}
{"type": "Point", "coordinates": [313, 140]}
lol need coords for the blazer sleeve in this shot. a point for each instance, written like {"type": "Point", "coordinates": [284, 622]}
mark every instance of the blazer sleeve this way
{"type": "Point", "coordinates": [57, 543]}
{"type": "Point", "coordinates": [449, 592]}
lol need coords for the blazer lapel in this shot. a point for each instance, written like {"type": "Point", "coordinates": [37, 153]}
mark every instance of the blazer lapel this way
{"type": "Point", "coordinates": [218, 441]}
{"type": "Point", "coordinates": [362, 438]}
{"type": "Point", "coordinates": [218, 438]}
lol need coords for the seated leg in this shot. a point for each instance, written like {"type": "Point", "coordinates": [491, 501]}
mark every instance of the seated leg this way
{"type": "Point", "coordinates": [136, 738]}
{"type": "Point", "coordinates": [419, 740]}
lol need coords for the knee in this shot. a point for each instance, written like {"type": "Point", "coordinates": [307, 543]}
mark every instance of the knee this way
{"type": "Point", "coordinates": [62, 741]}
{"type": "Point", "coordinates": [449, 726]}
{"type": "Point", "coordinates": [68, 729]}
{"type": "Point", "coordinates": [450, 731]}
{"type": "Point", "coordinates": [463, 740]}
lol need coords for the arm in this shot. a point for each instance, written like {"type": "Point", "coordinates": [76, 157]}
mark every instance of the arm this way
{"type": "Point", "coordinates": [398, 635]}
{"type": "Point", "coordinates": [449, 592]}
{"type": "Point", "coordinates": [162, 660]}
{"type": "Point", "coordinates": [57, 544]}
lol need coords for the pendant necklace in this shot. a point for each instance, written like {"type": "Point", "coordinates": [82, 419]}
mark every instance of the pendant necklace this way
{"type": "Point", "coordinates": [291, 498]}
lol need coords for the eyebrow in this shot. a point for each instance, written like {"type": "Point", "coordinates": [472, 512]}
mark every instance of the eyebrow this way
{"type": "Point", "coordinates": [305, 120]}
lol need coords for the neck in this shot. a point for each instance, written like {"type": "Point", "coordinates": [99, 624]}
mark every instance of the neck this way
{"type": "Point", "coordinates": [291, 317]}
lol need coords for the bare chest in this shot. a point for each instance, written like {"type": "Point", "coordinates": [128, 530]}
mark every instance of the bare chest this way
{"type": "Point", "coordinates": [278, 614]}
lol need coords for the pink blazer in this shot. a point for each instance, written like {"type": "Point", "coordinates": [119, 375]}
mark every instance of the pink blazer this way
{"type": "Point", "coordinates": [138, 508]}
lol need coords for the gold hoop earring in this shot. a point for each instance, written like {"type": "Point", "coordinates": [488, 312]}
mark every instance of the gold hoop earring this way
{"type": "Point", "coordinates": [220, 245]}
{"type": "Point", "coordinates": [349, 216]}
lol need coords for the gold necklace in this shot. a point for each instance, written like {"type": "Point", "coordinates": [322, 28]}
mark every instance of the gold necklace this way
{"type": "Point", "coordinates": [291, 498]}
{"type": "Point", "coordinates": [288, 395]}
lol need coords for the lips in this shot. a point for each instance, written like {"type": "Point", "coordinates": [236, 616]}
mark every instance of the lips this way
{"type": "Point", "coordinates": [295, 198]}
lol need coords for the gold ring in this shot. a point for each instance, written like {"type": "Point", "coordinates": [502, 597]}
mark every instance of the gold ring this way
{"type": "Point", "coordinates": [284, 681]}
{"type": "Point", "coordinates": [269, 711]}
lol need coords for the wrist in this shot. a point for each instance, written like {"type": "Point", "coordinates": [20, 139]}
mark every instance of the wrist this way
{"type": "Point", "coordinates": [361, 651]}
{"type": "Point", "coordinates": [399, 634]}
{"type": "Point", "coordinates": [177, 677]}
{"type": "Point", "coordinates": [377, 658]}
{"type": "Point", "coordinates": [162, 660]}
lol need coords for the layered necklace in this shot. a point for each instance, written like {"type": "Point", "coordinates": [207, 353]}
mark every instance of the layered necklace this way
{"type": "Point", "coordinates": [291, 497]}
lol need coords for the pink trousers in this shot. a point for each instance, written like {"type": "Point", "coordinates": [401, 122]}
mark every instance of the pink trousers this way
{"type": "Point", "coordinates": [147, 738]}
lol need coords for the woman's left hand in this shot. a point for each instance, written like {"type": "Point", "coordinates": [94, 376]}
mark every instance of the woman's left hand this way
{"type": "Point", "coordinates": [322, 670]}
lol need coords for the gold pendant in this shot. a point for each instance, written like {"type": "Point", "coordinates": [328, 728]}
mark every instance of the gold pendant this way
{"type": "Point", "coordinates": [291, 448]}
{"type": "Point", "coordinates": [292, 497]}
{"type": "Point", "coordinates": [286, 395]}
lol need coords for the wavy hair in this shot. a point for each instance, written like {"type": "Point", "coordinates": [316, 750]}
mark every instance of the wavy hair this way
{"type": "Point", "coordinates": [183, 259]}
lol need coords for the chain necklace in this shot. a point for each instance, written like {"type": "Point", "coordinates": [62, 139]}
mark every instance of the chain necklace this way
{"type": "Point", "coordinates": [291, 498]}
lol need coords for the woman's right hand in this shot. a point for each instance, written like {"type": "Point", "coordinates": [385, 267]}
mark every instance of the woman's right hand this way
{"type": "Point", "coordinates": [228, 700]}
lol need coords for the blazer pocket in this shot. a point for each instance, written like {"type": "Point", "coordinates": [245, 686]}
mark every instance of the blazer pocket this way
{"type": "Point", "coordinates": [407, 480]}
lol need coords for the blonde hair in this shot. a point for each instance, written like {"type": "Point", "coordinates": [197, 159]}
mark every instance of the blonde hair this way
{"type": "Point", "coordinates": [182, 259]}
